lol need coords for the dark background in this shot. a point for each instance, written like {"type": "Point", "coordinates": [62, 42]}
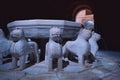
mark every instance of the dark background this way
{"type": "Point", "coordinates": [106, 15]}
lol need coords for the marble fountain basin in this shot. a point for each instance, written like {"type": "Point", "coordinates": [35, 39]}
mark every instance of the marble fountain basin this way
{"type": "Point", "coordinates": [39, 28]}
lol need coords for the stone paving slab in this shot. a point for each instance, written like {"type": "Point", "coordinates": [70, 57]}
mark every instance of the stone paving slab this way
{"type": "Point", "coordinates": [6, 66]}
{"type": "Point", "coordinates": [11, 75]}
{"type": "Point", "coordinates": [89, 74]}
{"type": "Point", "coordinates": [42, 68]}
{"type": "Point", "coordinates": [107, 70]}
{"type": "Point", "coordinates": [37, 68]}
{"type": "Point", "coordinates": [46, 76]}
{"type": "Point", "coordinates": [115, 75]}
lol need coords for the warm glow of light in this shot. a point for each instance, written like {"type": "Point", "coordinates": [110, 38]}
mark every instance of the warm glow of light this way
{"type": "Point", "coordinates": [82, 17]}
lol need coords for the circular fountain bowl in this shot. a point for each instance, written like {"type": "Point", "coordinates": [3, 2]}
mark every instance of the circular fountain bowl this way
{"type": "Point", "coordinates": [39, 28]}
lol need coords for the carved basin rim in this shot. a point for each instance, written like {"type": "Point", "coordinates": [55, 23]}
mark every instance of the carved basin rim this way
{"type": "Point", "coordinates": [40, 22]}
{"type": "Point", "coordinates": [39, 28]}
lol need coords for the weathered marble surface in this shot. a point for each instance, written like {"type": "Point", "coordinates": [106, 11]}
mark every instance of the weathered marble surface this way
{"type": "Point", "coordinates": [95, 37]}
{"type": "Point", "coordinates": [80, 46]}
{"type": "Point", "coordinates": [93, 42]}
{"type": "Point", "coordinates": [54, 49]}
{"type": "Point", "coordinates": [5, 45]}
{"type": "Point", "coordinates": [20, 48]}
{"type": "Point", "coordinates": [39, 28]}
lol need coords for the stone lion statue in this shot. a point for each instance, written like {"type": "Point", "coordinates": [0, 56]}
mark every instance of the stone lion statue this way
{"type": "Point", "coordinates": [5, 45]}
{"type": "Point", "coordinates": [93, 42]}
{"type": "Point", "coordinates": [54, 49]}
{"type": "Point", "coordinates": [79, 47]}
{"type": "Point", "coordinates": [20, 48]}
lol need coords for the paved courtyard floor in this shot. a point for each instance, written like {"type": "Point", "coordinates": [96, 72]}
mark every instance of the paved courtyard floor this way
{"type": "Point", "coordinates": [108, 69]}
